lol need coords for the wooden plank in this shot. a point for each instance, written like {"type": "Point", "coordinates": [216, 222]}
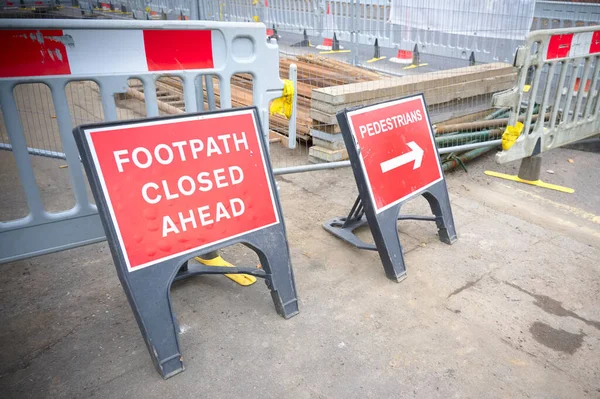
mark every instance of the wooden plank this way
{"type": "Point", "coordinates": [322, 77]}
{"type": "Point", "coordinates": [387, 88]}
{"type": "Point", "coordinates": [439, 113]}
{"type": "Point", "coordinates": [325, 112]}
{"type": "Point", "coordinates": [456, 75]}
{"type": "Point", "coordinates": [354, 71]}
{"type": "Point", "coordinates": [278, 137]}
{"type": "Point", "coordinates": [442, 112]}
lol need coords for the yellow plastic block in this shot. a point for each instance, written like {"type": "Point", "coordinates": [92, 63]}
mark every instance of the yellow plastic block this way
{"type": "Point", "coordinates": [537, 183]}
{"type": "Point", "coordinates": [412, 66]}
{"type": "Point", "coordinates": [241, 279]}
{"type": "Point", "coordinates": [376, 59]}
{"type": "Point", "coordinates": [334, 51]}
{"type": "Point", "coordinates": [510, 135]}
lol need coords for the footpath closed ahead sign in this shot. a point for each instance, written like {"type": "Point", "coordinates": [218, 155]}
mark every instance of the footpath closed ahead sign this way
{"type": "Point", "coordinates": [174, 186]}
{"type": "Point", "coordinates": [394, 157]}
{"type": "Point", "coordinates": [168, 189]}
{"type": "Point", "coordinates": [396, 148]}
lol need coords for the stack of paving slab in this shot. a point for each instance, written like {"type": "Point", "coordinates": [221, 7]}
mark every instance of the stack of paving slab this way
{"type": "Point", "coordinates": [459, 90]}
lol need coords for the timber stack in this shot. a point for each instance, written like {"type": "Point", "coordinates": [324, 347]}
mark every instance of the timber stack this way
{"type": "Point", "coordinates": [314, 71]}
{"type": "Point", "coordinates": [461, 88]}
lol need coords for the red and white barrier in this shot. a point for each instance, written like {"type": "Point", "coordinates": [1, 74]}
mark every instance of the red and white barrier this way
{"type": "Point", "coordinates": [329, 31]}
{"type": "Point", "coordinates": [73, 51]}
{"type": "Point", "coordinates": [403, 57]}
{"type": "Point", "coordinates": [573, 45]}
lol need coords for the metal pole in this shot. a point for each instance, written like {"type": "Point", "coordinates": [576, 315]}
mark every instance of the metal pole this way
{"type": "Point", "coordinates": [37, 151]}
{"type": "Point", "coordinates": [293, 75]}
{"type": "Point", "coordinates": [464, 147]}
{"type": "Point", "coordinates": [310, 168]}
{"type": "Point", "coordinates": [354, 31]}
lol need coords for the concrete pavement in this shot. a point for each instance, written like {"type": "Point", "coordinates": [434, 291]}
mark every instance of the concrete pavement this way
{"type": "Point", "coordinates": [510, 310]}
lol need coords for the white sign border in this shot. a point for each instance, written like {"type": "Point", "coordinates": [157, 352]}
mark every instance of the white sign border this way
{"type": "Point", "coordinates": [360, 156]}
{"type": "Point", "coordinates": [88, 136]}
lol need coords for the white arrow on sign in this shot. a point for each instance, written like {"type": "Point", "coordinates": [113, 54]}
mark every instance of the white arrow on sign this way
{"type": "Point", "coordinates": [415, 155]}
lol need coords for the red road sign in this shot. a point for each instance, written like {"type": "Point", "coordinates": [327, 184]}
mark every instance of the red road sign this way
{"type": "Point", "coordinates": [177, 185]}
{"type": "Point", "coordinates": [396, 148]}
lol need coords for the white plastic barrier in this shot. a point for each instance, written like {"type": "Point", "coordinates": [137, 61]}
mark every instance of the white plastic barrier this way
{"type": "Point", "coordinates": [562, 67]}
{"type": "Point", "coordinates": [109, 52]}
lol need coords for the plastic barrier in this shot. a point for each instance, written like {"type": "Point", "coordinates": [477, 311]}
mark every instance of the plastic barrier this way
{"type": "Point", "coordinates": [560, 69]}
{"type": "Point", "coordinates": [483, 31]}
{"type": "Point", "coordinates": [56, 52]}
{"type": "Point", "coordinates": [284, 14]}
{"type": "Point", "coordinates": [562, 14]}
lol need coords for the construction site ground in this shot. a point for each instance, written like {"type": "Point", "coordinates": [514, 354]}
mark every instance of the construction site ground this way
{"type": "Point", "coordinates": [510, 310]}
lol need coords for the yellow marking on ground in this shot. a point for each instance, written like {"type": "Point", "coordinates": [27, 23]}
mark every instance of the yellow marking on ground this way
{"type": "Point", "coordinates": [537, 183]}
{"type": "Point", "coordinates": [334, 51]}
{"type": "Point", "coordinates": [376, 59]}
{"type": "Point", "coordinates": [412, 66]}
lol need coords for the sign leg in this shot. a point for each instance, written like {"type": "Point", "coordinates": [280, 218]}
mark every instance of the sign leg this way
{"type": "Point", "coordinates": [385, 235]}
{"type": "Point", "coordinates": [280, 278]}
{"type": "Point", "coordinates": [439, 201]}
{"type": "Point", "coordinates": [149, 297]}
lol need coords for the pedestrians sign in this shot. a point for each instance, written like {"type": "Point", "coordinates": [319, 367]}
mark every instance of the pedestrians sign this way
{"type": "Point", "coordinates": [394, 157]}
{"type": "Point", "coordinates": [169, 189]}
{"type": "Point", "coordinates": [396, 149]}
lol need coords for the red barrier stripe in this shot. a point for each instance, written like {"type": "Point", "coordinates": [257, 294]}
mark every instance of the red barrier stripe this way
{"type": "Point", "coordinates": [559, 46]}
{"type": "Point", "coordinates": [588, 83]}
{"type": "Point", "coordinates": [168, 50]}
{"type": "Point", "coordinates": [595, 44]}
{"type": "Point", "coordinates": [405, 54]}
{"type": "Point", "coordinates": [32, 53]}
